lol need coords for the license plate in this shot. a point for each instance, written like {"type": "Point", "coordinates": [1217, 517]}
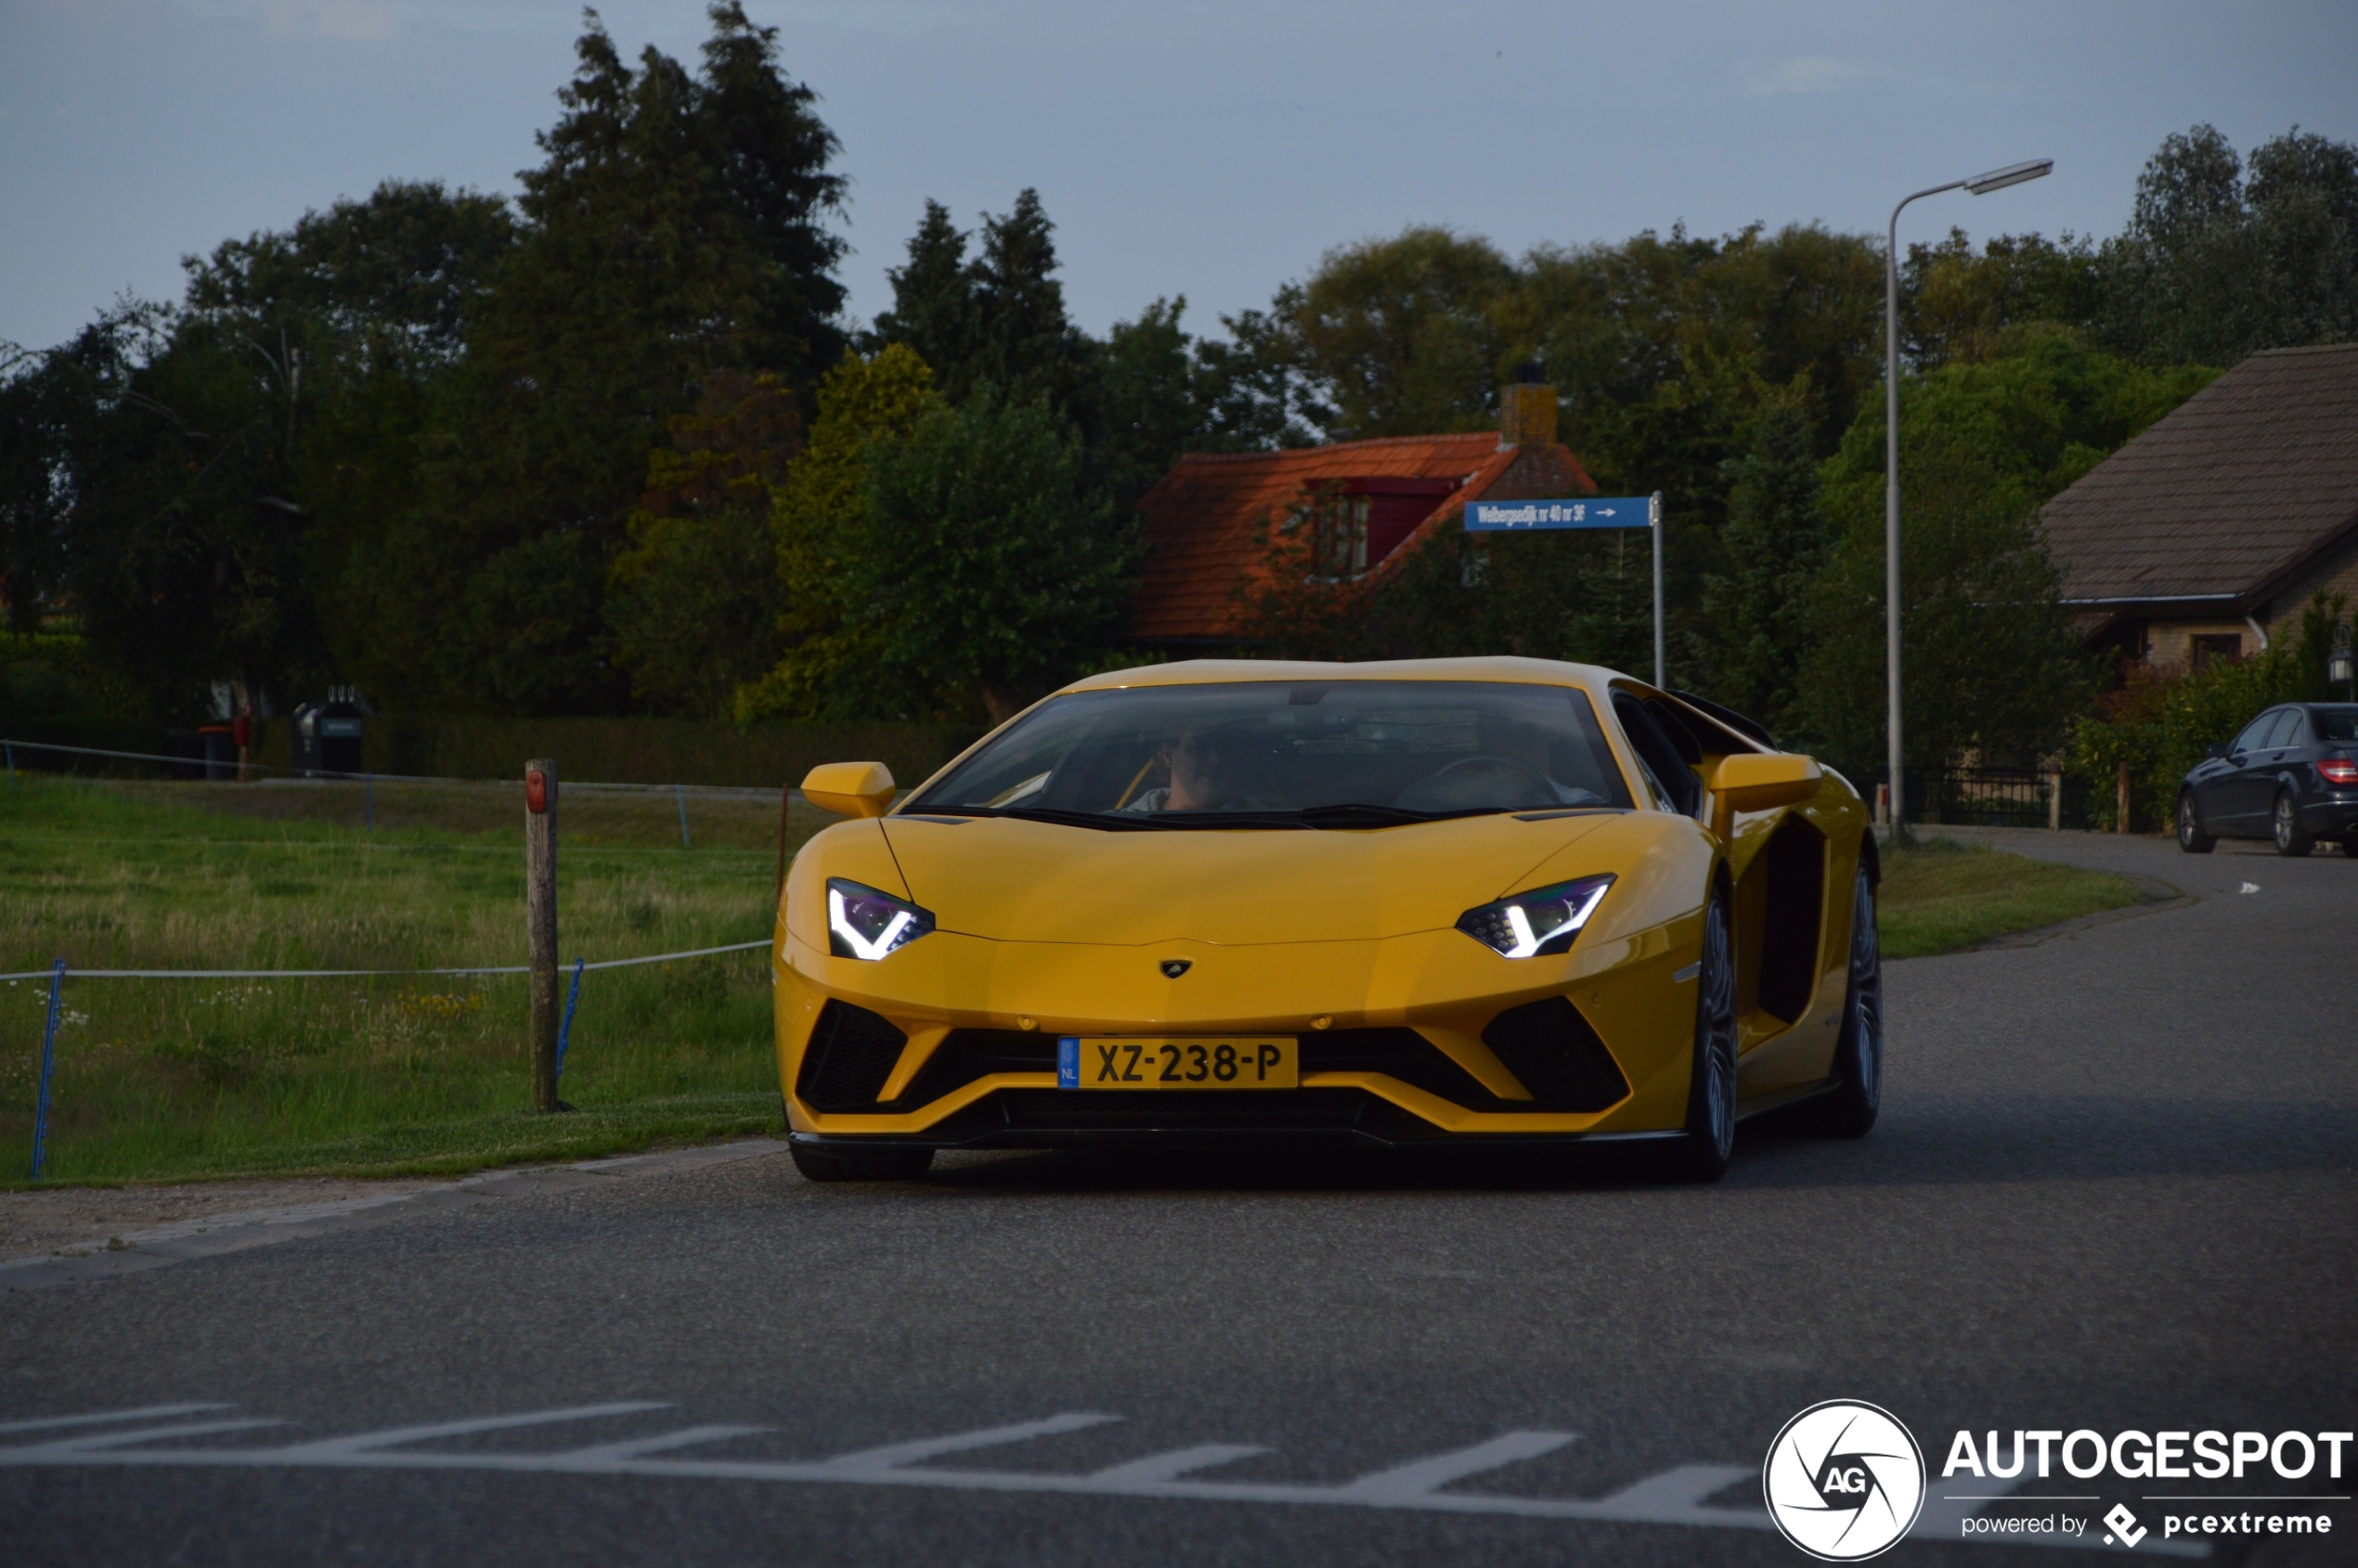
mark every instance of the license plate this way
{"type": "Point", "coordinates": [1259, 1061]}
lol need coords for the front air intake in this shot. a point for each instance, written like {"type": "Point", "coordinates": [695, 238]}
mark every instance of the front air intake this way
{"type": "Point", "coordinates": [1550, 1047]}
{"type": "Point", "coordinates": [851, 1052]}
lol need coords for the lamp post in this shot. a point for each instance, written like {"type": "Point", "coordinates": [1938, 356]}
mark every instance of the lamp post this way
{"type": "Point", "coordinates": [1980, 185]}
{"type": "Point", "coordinates": [2340, 669]}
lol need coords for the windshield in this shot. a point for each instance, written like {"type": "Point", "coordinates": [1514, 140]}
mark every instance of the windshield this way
{"type": "Point", "coordinates": [2336, 723]}
{"type": "Point", "coordinates": [1331, 753]}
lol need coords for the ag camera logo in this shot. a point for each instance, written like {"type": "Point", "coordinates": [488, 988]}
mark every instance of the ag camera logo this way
{"type": "Point", "coordinates": [1844, 1481]}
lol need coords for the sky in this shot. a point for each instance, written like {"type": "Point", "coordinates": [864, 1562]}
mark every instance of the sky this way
{"type": "Point", "coordinates": [1209, 149]}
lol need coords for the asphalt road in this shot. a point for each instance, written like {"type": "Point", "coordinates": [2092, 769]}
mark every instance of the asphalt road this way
{"type": "Point", "coordinates": [2112, 1188]}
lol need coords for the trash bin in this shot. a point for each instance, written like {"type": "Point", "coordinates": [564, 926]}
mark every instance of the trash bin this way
{"type": "Point", "coordinates": [327, 740]}
{"type": "Point", "coordinates": [186, 748]}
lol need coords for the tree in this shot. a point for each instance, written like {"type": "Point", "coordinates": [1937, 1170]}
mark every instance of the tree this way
{"type": "Point", "coordinates": [1989, 658]}
{"type": "Point", "coordinates": [2213, 268]}
{"type": "Point", "coordinates": [1401, 335]}
{"type": "Point", "coordinates": [1755, 608]}
{"type": "Point", "coordinates": [674, 233]}
{"type": "Point", "coordinates": [997, 318]}
{"type": "Point", "coordinates": [1959, 304]}
{"type": "Point", "coordinates": [819, 528]}
{"type": "Point", "coordinates": [986, 564]}
{"type": "Point", "coordinates": [696, 597]}
{"type": "Point", "coordinates": [933, 296]}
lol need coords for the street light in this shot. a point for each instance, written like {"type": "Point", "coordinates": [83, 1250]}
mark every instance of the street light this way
{"type": "Point", "coordinates": [1980, 185]}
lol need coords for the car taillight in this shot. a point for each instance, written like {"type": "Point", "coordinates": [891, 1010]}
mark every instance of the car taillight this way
{"type": "Point", "coordinates": [2338, 770]}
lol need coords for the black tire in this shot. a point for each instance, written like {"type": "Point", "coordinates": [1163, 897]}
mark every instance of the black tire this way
{"type": "Point", "coordinates": [1850, 1110]}
{"type": "Point", "coordinates": [1708, 1141]}
{"type": "Point", "coordinates": [819, 1164]}
{"type": "Point", "coordinates": [2190, 835]}
{"type": "Point", "coordinates": [2292, 839]}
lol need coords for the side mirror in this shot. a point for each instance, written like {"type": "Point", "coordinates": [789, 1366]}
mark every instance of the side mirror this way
{"type": "Point", "coordinates": [1752, 781]}
{"type": "Point", "coordinates": [850, 789]}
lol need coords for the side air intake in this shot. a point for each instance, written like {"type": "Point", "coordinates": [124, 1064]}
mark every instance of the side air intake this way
{"type": "Point", "coordinates": [850, 1055]}
{"type": "Point", "coordinates": [1550, 1048]}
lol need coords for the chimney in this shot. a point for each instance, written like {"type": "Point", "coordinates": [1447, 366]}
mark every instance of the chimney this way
{"type": "Point", "coordinates": [1527, 409]}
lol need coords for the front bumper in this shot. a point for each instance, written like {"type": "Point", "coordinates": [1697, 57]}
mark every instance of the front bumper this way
{"type": "Point", "coordinates": [949, 1042]}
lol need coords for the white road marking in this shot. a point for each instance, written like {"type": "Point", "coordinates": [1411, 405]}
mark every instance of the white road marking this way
{"type": "Point", "coordinates": [97, 1442]}
{"type": "Point", "coordinates": [145, 1413]}
{"type": "Point", "coordinates": [893, 1455]}
{"type": "Point", "coordinates": [1685, 1487]}
{"type": "Point", "coordinates": [368, 1443]}
{"type": "Point", "coordinates": [1672, 1497]}
{"type": "Point", "coordinates": [1422, 1477]}
{"type": "Point", "coordinates": [686, 1437]}
{"type": "Point", "coordinates": [1178, 1462]}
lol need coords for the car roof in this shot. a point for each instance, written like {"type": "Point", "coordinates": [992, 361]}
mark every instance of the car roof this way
{"type": "Point", "coordinates": [1501, 667]}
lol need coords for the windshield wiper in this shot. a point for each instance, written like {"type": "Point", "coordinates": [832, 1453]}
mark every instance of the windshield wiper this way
{"type": "Point", "coordinates": [1109, 822]}
{"type": "Point", "coordinates": [1359, 813]}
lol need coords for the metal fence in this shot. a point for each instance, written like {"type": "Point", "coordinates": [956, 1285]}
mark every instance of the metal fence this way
{"type": "Point", "coordinates": [1992, 798]}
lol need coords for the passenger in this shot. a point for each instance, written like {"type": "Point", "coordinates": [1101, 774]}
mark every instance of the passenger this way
{"type": "Point", "coordinates": [1208, 770]}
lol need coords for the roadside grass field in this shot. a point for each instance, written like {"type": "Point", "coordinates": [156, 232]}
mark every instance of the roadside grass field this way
{"type": "Point", "coordinates": [407, 1075]}
{"type": "Point", "coordinates": [393, 1075]}
{"type": "Point", "coordinates": [1938, 895]}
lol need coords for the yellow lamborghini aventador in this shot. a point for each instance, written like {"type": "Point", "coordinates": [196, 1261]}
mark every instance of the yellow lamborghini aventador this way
{"type": "Point", "coordinates": [1475, 902]}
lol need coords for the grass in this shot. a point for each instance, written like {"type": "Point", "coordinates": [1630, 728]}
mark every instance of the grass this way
{"type": "Point", "coordinates": [163, 1078]}
{"type": "Point", "coordinates": [427, 1075]}
{"type": "Point", "coordinates": [1939, 896]}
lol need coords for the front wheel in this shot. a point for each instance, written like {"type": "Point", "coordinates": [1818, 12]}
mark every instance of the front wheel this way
{"type": "Point", "coordinates": [1850, 1110]}
{"type": "Point", "coordinates": [2292, 839]}
{"type": "Point", "coordinates": [2191, 837]}
{"type": "Point", "coordinates": [824, 1164]}
{"type": "Point", "coordinates": [1709, 1139]}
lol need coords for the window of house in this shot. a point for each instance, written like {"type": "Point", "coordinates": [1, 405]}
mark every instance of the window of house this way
{"type": "Point", "coordinates": [2216, 645]}
{"type": "Point", "coordinates": [1342, 536]}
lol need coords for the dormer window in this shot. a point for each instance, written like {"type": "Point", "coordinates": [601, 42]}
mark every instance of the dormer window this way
{"type": "Point", "coordinates": [1341, 541]}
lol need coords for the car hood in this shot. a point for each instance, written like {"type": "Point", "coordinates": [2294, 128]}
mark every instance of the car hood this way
{"type": "Point", "coordinates": [1013, 880]}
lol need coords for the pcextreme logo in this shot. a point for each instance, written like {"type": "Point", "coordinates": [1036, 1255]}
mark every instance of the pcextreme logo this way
{"type": "Point", "coordinates": [1844, 1481]}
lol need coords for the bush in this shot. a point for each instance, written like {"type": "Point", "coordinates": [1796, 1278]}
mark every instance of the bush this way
{"type": "Point", "coordinates": [2162, 721]}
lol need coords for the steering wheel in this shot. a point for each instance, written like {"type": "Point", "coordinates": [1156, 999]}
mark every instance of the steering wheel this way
{"type": "Point", "coordinates": [1491, 763]}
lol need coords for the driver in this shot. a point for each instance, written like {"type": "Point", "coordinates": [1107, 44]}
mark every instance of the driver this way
{"type": "Point", "coordinates": [1209, 771]}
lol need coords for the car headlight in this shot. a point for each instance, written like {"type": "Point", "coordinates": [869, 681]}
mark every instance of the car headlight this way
{"type": "Point", "coordinates": [1540, 921]}
{"type": "Point", "coordinates": [863, 923]}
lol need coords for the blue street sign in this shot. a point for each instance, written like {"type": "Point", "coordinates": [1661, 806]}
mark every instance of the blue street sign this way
{"type": "Point", "coordinates": [1584, 512]}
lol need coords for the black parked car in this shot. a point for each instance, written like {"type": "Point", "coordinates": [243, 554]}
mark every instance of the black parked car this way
{"type": "Point", "coordinates": [2291, 775]}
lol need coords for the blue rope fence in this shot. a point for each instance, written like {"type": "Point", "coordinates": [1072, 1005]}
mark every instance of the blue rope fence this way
{"type": "Point", "coordinates": [56, 975]}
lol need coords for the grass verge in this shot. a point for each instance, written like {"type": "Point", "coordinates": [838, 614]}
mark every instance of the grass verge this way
{"type": "Point", "coordinates": [1938, 895]}
{"type": "Point", "coordinates": [181, 1079]}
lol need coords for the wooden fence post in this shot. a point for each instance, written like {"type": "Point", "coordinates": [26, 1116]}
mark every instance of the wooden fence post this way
{"type": "Point", "coordinates": [540, 923]}
{"type": "Point", "coordinates": [2120, 799]}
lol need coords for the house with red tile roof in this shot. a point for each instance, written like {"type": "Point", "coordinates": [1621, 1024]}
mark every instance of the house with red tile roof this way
{"type": "Point", "coordinates": [1211, 521]}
